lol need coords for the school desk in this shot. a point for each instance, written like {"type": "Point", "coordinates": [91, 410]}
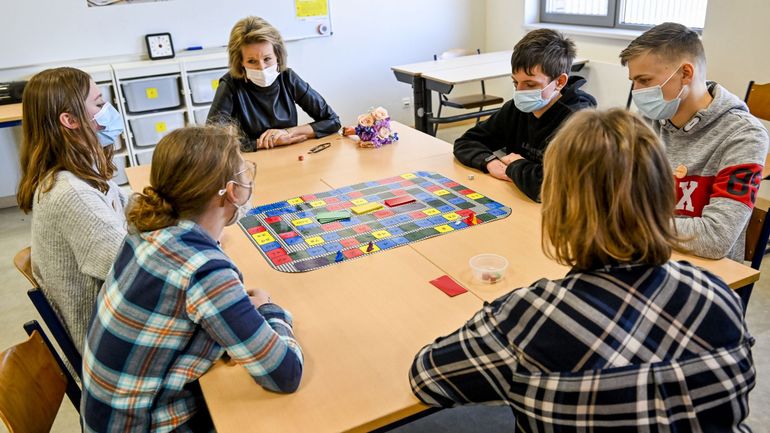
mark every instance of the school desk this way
{"type": "Point", "coordinates": [10, 115]}
{"type": "Point", "coordinates": [361, 322]}
{"type": "Point", "coordinates": [442, 75]}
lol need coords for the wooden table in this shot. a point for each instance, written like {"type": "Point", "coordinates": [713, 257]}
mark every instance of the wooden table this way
{"type": "Point", "coordinates": [361, 322]}
{"type": "Point", "coordinates": [10, 115]}
{"type": "Point", "coordinates": [442, 75]}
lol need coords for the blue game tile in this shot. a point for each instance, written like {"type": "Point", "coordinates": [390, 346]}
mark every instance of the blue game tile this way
{"type": "Point", "coordinates": [423, 173]}
{"type": "Point", "coordinates": [457, 200]}
{"type": "Point", "coordinates": [395, 231]}
{"type": "Point", "coordinates": [446, 208]}
{"type": "Point", "coordinates": [400, 240]}
{"type": "Point", "coordinates": [457, 225]}
{"type": "Point", "coordinates": [303, 214]}
{"type": "Point", "coordinates": [387, 222]}
{"type": "Point", "coordinates": [345, 189]}
{"type": "Point", "coordinates": [385, 243]}
{"type": "Point", "coordinates": [316, 251]}
{"type": "Point", "coordinates": [493, 205]}
{"type": "Point", "coordinates": [344, 197]}
{"type": "Point", "coordinates": [270, 247]}
{"type": "Point", "coordinates": [277, 212]}
{"type": "Point", "coordinates": [394, 185]}
{"type": "Point", "coordinates": [372, 184]}
{"type": "Point", "coordinates": [403, 218]}
{"type": "Point", "coordinates": [330, 237]}
{"type": "Point", "coordinates": [437, 220]}
{"type": "Point", "coordinates": [424, 223]}
{"type": "Point", "coordinates": [423, 196]}
{"type": "Point", "coordinates": [333, 247]}
{"type": "Point", "coordinates": [293, 241]}
{"type": "Point", "coordinates": [497, 212]}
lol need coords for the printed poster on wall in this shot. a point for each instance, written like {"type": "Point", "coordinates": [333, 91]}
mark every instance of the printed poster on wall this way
{"type": "Point", "coordinates": [306, 9]}
{"type": "Point", "coordinates": [101, 3]}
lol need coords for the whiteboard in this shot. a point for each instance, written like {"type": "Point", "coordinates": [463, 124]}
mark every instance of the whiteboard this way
{"type": "Point", "coordinates": [36, 32]}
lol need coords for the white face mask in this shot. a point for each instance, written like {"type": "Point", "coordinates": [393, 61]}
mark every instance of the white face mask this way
{"type": "Point", "coordinates": [240, 209]}
{"type": "Point", "coordinates": [651, 103]}
{"type": "Point", "coordinates": [532, 100]}
{"type": "Point", "coordinates": [263, 77]}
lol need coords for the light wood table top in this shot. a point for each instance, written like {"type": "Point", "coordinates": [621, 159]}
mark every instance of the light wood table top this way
{"type": "Point", "coordinates": [420, 68]}
{"type": "Point", "coordinates": [361, 322]}
{"type": "Point", "coordinates": [10, 113]}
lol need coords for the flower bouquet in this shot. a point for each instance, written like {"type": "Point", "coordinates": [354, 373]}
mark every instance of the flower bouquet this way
{"type": "Point", "coordinates": [373, 129]}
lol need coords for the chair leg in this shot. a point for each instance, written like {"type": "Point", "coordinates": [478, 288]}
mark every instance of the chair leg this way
{"type": "Point", "coordinates": [478, 119]}
{"type": "Point", "coordinates": [435, 125]}
{"type": "Point", "coordinates": [745, 294]}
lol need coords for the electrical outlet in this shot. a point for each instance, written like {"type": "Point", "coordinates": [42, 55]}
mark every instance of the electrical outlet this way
{"type": "Point", "coordinates": [406, 102]}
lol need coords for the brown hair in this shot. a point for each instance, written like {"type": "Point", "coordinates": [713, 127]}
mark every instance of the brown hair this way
{"type": "Point", "coordinates": [547, 48]}
{"type": "Point", "coordinates": [672, 42]}
{"type": "Point", "coordinates": [49, 147]}
{"type": "Point", "coordinates": [189, 166]}
{"type": "Point", "coordinates": [253, 30]}
{"type": "Point", "coordinates": [608, 193]}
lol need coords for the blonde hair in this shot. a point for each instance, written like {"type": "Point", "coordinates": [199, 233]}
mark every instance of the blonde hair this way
{"type": "Point", "coordinates": [49, 147]}
{"type": "Point", "coordinates": [608, 193]}
{"type": "Point", "coordinates": [253, 30]}
{"type": "Point", "coordinates": [189, 166]}
{"type": "Point", "coordinates": [672, 42]}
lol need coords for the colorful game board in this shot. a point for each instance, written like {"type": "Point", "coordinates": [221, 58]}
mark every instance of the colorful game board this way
{"type": "Point", "coordinates": [312, 231]}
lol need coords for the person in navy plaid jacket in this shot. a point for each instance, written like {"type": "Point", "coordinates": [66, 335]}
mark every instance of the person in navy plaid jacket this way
{"type": "Point", "coordinates": [629, 340]}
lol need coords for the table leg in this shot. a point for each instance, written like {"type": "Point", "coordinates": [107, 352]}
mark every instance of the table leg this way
{"type": "Point", "coordinates": [423, 105]}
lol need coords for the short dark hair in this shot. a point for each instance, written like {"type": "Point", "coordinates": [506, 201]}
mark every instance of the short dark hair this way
{"type": "Point", "coordinates": [670, 41]}
{"type": "Point", "coordinates": [547, 48]}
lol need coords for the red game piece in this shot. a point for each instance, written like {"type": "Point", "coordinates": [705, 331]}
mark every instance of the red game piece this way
{"type": "Point", "coordinates": [301, 157]}
{"type": "Point", "coordinates": [398, 201]}
{"type": "Point", "coordinates": [370, 247]}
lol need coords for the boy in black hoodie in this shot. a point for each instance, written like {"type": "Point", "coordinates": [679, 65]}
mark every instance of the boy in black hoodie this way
{"type": "Point", "coordinates": [545, 97]}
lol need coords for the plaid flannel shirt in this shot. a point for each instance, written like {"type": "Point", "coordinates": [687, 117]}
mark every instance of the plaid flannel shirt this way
{"type": "Point", "coordinates": [172, 304]}
{"type": "Point", "coordinates": [628, 348]}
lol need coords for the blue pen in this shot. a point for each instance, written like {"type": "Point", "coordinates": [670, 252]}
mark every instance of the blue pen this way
{"type": "Point", "coordinates": [195, 48]}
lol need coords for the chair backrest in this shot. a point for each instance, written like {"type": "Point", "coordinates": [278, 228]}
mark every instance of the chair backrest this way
{"type": "Point", "coordinates": [758, 100]}
{"type": "Point", "coordinates": [455, 52]}
{"type": "Point", "coordinates": [23, 263]}
{"type": "Point", "coordinates": [757, 235]}
{"type": "Point", "coordinates": [33, 386]}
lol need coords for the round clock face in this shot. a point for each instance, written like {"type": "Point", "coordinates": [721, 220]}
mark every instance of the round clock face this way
{"type": "Point", "coordinates": [160, 46]}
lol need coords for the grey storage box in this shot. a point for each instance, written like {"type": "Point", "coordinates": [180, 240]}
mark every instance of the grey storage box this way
{"type": "Point", "coordinates": [144, 157]}
{"type": "Point", "coordinates": [149, 130]}
{"type": "Point", "coordinates": [200, 115]}
{"type": "Point", "coordinates": [107, 95]}
{"type": "Point", "coordinates": [203, 85]}
{"type": "Point", "coordinates": [120, 177]}
{"type": "Point", "coordinates": [149, 94]}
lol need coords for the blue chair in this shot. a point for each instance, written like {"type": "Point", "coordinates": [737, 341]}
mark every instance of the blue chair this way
{"type": "Point", "coordinates": [23, 263]}
{"type": "Point", "coordinates": [757, 234]}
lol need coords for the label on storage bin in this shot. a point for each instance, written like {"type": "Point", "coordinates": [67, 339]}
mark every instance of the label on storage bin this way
{"type": "Point", "coordinates": [215, 84]}
{"type": "Point", "coordinates": [160, 126]}
{"type": "Point", "coordinates": [151, 92]}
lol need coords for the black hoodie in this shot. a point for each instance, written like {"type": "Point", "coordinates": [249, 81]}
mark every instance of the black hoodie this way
{"type": "Point", "coordinates": [521, 133]}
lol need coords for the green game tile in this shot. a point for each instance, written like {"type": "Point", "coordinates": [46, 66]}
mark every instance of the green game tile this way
{"type": "Point", "coordinates": [408, 227]}
{"type": "Point", "coordinates": [299, 255]}
{"type": "Point", "coordinates": [386, 195]}
{"type": "Point", "coordinates": [346, 233]}
{"type": "Point", "coordinates": [466, 205]}
{"type": "Point", "coordinates": [486, 217]}
{"type": "Point", "coordinates": [365, 238]}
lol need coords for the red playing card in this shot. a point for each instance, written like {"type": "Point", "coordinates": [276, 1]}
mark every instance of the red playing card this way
{"type": "Point", "coordinates": [383, 213]}
{"type": "Point", "coordinates": [398, 201]}
{"type": "Point", "coordinates": [274, 219]}
{"type": "Point", "coordinates": [448, 286]}
{"type": "Point", "coordinates": [255, 230]}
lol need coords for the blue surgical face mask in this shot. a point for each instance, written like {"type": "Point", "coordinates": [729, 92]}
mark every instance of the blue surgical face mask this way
{"type": "Point", "coordinates": [532, 100]}
{"type": "Point", "coordinates": [651, 103]}
{"type": "Point", "coordinates": [109, 118]}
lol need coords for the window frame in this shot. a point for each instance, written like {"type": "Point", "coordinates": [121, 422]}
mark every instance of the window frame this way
{"type": "Point", "coordinates": [610, 21]}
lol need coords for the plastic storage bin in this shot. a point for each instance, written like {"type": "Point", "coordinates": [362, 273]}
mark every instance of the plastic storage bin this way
{"type": "Point", "coordinates": [203, 85]}
{"type": "Point", "coordinates": [149, 94]}
{"type": "Point", "coordinates": [144, 157]}
{"type": "Point", "coordinates": [149, 130]}
{"type": "Point", "coordinates": [120, 175]}
{"type": "Point", "coordinates": [107, 95]}
{"type": "Point", "coordinates": [200, 115]}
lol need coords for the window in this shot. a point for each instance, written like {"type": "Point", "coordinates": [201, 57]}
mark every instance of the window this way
{"type": "Point", "coordinates": [626, 14]}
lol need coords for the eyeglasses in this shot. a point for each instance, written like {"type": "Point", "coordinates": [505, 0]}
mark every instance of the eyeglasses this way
{"type": "Point", "coordinates": [320, 147]}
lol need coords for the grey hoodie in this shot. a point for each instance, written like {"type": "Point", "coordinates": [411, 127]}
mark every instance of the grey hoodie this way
{"type": "Point", "coordinates": [719, 154]}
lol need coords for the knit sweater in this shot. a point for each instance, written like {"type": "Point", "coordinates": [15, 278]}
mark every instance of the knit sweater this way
{"type": "Point", "coordinates": [77, 232]}
{"type": "Point", "coordinates": [719, 156]}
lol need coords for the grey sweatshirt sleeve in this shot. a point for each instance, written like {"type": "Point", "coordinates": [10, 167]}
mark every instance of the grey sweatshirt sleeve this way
{"type": "Point", "coordinates": [93, 229]}
{"type": "Point", "coordinates": [722, 224]}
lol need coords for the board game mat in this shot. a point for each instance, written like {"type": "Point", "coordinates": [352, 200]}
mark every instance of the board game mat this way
{"type": "Point", "coordinates": [289, 235]}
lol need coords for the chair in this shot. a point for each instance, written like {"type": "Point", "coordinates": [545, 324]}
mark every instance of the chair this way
{"type": "Point", "coordinates": [464, 102]}
{"type": "Point", "coordinates": [758, 100]}
{"type": "Point", "coordinates": [23, 262]}
{"type": "Point", "coordinates": [34, 381]}
{"type": "Point", "coordinates": [757, 234]}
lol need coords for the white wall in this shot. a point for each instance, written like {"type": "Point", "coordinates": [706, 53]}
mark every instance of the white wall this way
{"type": "Point", "coordinates": [351, 68]}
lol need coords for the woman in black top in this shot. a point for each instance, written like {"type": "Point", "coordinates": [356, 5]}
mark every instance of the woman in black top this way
{"type": "Point", "coordinates": [260, 92]}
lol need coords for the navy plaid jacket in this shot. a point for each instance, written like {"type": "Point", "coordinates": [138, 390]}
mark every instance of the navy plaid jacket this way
{"type": "Point", "coordinates": [628, 348]}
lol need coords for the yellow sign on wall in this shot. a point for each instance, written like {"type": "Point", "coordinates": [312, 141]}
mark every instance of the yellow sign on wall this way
{"type": "Point", "coordinates": [311, 8]}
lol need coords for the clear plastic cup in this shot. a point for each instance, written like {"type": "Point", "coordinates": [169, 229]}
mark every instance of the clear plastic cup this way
{"type": "Point", "coordinates": [488, 268]}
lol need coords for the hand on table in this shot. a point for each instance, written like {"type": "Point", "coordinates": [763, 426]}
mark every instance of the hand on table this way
{"type": "Point", "coordinates": [278, 137]}
{"type": "Point", "coordinates": [507, 159]}
{"type": "Point", "coordinates": [496, 168]}
{"type": "Point", "coordinates": [258, 297]}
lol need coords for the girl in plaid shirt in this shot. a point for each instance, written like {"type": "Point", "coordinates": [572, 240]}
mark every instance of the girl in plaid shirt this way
{"type": "Point", "coordinates": [628, 340]}
{"type": "Point", "coordinates": [173, 302]}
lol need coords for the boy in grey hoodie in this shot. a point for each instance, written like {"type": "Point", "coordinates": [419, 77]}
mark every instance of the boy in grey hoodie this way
{"type": "Point", "coordinates": [714, 145]}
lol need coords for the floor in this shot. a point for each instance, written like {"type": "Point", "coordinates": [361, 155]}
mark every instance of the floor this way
{"type": "Point", "coordinates": [15, 309]}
